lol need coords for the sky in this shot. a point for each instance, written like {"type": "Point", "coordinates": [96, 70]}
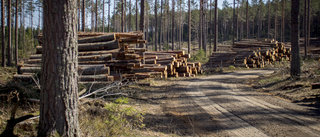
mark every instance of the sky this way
{"type": "Point", "coordinates": [36, 16]}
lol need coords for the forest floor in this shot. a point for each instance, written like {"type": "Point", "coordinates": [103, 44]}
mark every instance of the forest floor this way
{"type": "Point", "coordinates": [260, 102]}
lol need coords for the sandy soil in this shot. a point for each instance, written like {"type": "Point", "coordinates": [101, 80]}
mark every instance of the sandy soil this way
{"type": "Point", "coordinates": [224, 105]}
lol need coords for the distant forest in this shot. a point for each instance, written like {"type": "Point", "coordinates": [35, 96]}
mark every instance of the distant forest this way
{"type": "Point", "coordinates": [165, 20]}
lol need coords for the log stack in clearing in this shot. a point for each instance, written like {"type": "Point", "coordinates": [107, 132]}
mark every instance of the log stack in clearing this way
{"type": "Point", "coordinates": [106, 57]}
{"type": "Point", "coordinates": [250, 53]}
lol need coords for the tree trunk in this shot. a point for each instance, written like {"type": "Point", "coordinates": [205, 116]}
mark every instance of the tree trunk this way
{"type": "Point", "coordinates": [137, 15]}
{"type": "Point", "coordinates": [96, 16]}
{"type": "Point", "coordinates": [142, 9]}
{"type": "Point", "coordinates": [204, 29]}
{"type": "Point", "coordinates": [156, 25]}
{"type": "Point", "coordinates": [109, 3]}
{"type": "Point", "coordinates": [9, 54]}
{"type": "Point", "coordinates": [247, 19]}
{"type": "Point", "coordinates": [233, 22]}
{"type": "Point", "coordinates": [210, 26]}
{"type": "Point", "coordinates": [215, 25]}
{"type": "Point", "coordinates": [275, 20]}
{"type": "Point", "coordinates": [103, 16]}
{"type": "Point", "coordinates": [125, 14]}
{"type": "Point", "coordinates": [129, 16]}
{"type": "Point", "coordinates": [161, 31]}
{"type": "Point", "coordinates": [79, 7]}
{"type": "Point", "coordinates": [295, 61]}
{"type": "Point", "coordinates": [16, 35]}
{"type": "Point", "coordinates": [189, 26]}
{"type": "Point", "coordinates": [3, 34]}
{"type": "Point", "coordinates": [237, 22]}
{"type": "Point", "coordinates": [305, 26]}
{"type": "Point", "coordinates": [308, 23]}
{"type": "Point", "coordinates": [32, 41]}
{"type": "Point", "coordinates": [168, 27]}
{"type": "Point", "coordinates": [282, 21]}
{"type": "Point", "coordinates": [114, 16]}
{"type": "Point", "coordinates": [269, 19]}
{"type": "Point", "coordinates": [179, 26]}
{"type": "Point", "coordinates": [200, 24]}
{"type": "Point", "coordinates": [83, 15]}
{"type": "Point", "coordinates": [59, 90]}
{"type": "Point", "coordinates": [172, 25]}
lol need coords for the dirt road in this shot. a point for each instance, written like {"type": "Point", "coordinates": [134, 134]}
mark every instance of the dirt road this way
{"type": "Point", "coordinates": [223, 105]}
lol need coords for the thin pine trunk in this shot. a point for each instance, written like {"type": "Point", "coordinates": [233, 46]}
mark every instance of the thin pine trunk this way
{"type": "Point", "coordinates": [282, 21]}
{"type": "Point", "coordinates": [234, 21]}
{"type": "Point", "coordinates": [172, 25]}
{"type": "Point", "coordinates": [247, 18]}
{"type": "Point", "coordinates": [137, 15]}
{"type": "Point", "coordinates": [109, 15]}
{"type": "Point", "coordinates": [161, 31]}
{"type": "Point", "coordinates": [16, 35]}
{"type": "Point", "coordinates": [295, 61]}
{"type": "Point", "coordinates": [129, 25]}
{"type": "Point", "coordinates": [156, 25]}
{"type": "Point", "coordinates": [9, 34]}
{"type": "Point", "coordinates": [79, 7]}
{"type": "Point", "coordinates": [275, 21]}
{"type": "Point", "coordinates": [103, 16]}
{"type": "Point", "coordinates": [189, 26]}
{"type": "Point", "coordinates": [215, 26]}
{"type": "Point", "coordinates": [83, 15]}
{"type": "Point", "coordinates": [96, 16]}
{"type": "Point", "coordinates": [92, 16]}
{"type": "Point", "coordinates": [142, 10]}
{"type": "Point", "coordinates": [200, 24]}
{"type": "Point", "coordinates": [269, 19]}
{"type": "Point", "coordinates": [3, 34]}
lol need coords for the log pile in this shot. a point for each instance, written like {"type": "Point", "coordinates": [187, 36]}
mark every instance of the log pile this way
{"type": "Point", "coordinates": [250, 53]}
{"type": "Point", "coordinates": [261, 57]}
{"type": "Point", "coordinates": [108, 57]}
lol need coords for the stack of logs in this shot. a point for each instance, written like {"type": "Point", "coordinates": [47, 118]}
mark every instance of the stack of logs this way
{"type": "Point", "coordinates": [265, 56]}
{"type": "Point", "coordinates": [108, 57]}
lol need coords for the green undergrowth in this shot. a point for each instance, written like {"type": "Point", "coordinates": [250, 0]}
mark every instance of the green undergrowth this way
{"type": "Point", "coordinates": [116, 118]}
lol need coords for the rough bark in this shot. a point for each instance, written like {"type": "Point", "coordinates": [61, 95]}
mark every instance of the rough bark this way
{"type": "Point", "coordinates": [3, 34]}
{"type": "Point", "coordinates": [295, 61]}
{"type": "Point", "coordinates": [59, 90]}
